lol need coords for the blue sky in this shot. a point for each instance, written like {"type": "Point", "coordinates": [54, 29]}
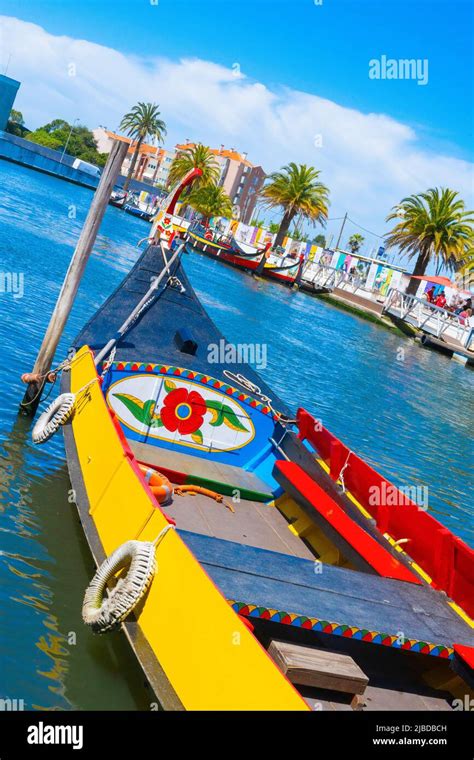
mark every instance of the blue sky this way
{"type": "Point", "coordinates": [301, 90]}
{"type": "Point", "coordinates": [316, 48]}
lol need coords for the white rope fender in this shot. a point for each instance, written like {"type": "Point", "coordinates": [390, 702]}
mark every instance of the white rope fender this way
{"type": "Point", "coordinates": [57, 414]}
{"type": "Point", "coordinates": [105, 614]}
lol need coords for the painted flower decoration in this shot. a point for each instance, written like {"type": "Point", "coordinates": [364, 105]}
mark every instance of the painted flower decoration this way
{"type": "Point", "coordinates": [183, 411]}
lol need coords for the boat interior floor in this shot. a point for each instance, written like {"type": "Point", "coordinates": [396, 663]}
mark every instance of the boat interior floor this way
{"type": "Point", "coordinates": [251, 523]}
{"type": "Point", "coordinates": [245, 521]}
{"type": "Point", "coordinates": [376, 698]}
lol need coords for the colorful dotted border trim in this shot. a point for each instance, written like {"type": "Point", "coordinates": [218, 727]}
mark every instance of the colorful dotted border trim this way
{"type": "Point", "coordinates": [187, 374]}
{"type": "Point", "coordinates": [337, 629]}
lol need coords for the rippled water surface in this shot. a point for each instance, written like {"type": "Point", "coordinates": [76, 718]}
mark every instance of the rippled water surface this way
{"type": "Point", "coordinates": [412, 418]}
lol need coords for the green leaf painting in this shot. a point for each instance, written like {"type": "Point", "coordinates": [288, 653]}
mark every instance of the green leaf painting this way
{"type": "Point", "coordinates": [170, 385]}
{"type": "Point", "coordinates": [197, 436]}
{"type": "Point", "coordinates": [224, 414]}
{"type": "Point", "coordinates": [143, 411]}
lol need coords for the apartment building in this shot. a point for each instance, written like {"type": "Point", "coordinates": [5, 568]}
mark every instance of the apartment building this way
{"type": "Point", "coordinates": [153, 163]}
{"type": "Point", "coordinates": [241, 180]}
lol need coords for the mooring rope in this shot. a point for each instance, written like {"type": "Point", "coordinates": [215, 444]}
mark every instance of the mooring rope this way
{"type": "Point", "coordinates": [253, 388]}
{"type": "Point", "coordinates": [162, 533]}
{"type": "Point", "coordinates": [341, 474]}
{"type": "Point", "coordinates": [62, 367]}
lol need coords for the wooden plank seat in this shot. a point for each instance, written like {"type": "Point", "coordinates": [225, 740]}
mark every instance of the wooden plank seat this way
{"type": "Point", "coordinates": [356, 544]}
{"type": "Point", "coordinates": [278, 583]}
{"type": "Point", "coordinates": [319, 668]}
{"type": "Point", "coordinates": [223, 478]}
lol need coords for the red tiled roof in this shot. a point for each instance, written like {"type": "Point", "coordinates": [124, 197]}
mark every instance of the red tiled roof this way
{"type": "Point", "coordinates": [232, 154]}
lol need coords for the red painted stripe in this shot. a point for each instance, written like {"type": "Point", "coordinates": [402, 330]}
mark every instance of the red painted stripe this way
{"type": "Point", "coordinates": [179, 478]}
{"type": "Point", "coordinates": [367, 547]}
{"type": "Point", "coordinates": [465, 653]}
{"type": "Point", "coordinates": [445, 557]}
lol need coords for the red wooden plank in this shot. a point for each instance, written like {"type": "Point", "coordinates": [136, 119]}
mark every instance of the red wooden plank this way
{"type": "Point", "coordinates": [444, 556]}
{"type": "Point", "coordinates": [465, 653]}
{"type": "Point", "coordinates": [374, 554]}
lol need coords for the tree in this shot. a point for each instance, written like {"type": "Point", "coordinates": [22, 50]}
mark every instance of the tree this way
{"type": "Point", "coordinates": [141, 123]}
{"type": "Point", "coordinates": [210, 200]}
{"type": "Point", "coordinates": [16, 123]}
{"type": "Point", "coordinates": [195, 157]}
{"type": "Point", "coordinates": [297, 190]}
{"type": "Point", "coordinates": [257, 222]}
{"type": "Point", "coordinates": [16, 117]}
{"type": "Point", "coordinates": [319, 240]}
{"type": "Point", "coordinates": [355, 242]}
{"type": "Point", "coordinates": [432, 226]}
{"type": "Point", "coordinates": [299, 236]}
{"type": "Point", "coordinates": [79, 140]}
{"type": "Point", "coordinates": [40, 137]}
{"type": "Point", "coordinates": [56, 125]}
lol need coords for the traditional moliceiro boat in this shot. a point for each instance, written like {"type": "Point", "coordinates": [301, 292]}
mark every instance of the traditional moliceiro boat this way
{"type": "Point", "coordinates": [243, 556]}
{"type": "Point", "coordinates": [258, 261]}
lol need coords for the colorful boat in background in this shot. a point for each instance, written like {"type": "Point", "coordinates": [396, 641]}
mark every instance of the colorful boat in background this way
{"type": "Point", "coordinates": [132, 204]}
{"type": "Point", "coordinates": [245, 557]}
{"type": "Point", "coordinates": [261, 262]}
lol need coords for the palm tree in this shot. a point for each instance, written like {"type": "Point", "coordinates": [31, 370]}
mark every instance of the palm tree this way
{"type": "Point", "coordinates": [195, 157]}
{"type": "Point", "coordinates": [297, 190]}
{"type": "Point", "coordinates": [432, 226]}
{"type": "Point", "coordinates": [210, 200]}
{"type": "Point", "coordinates": [355, 242]}
{"type": "Point", "coordinates": [142, 122]}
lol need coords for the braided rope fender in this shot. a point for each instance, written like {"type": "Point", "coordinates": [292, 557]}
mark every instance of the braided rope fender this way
{"type": "Point", "coordinates": [57, 414]}
{"type": "Point", "coordinates": [105, 614]}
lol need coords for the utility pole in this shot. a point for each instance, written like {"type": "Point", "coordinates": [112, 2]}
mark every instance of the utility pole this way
{"type": "Point", "coordinates": [36, 380]}
{"type": "Point", "coordinates": [341, 231]}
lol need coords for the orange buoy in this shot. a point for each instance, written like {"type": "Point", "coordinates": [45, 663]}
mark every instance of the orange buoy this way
{"type": "Point", "coordinates": [160, 486]}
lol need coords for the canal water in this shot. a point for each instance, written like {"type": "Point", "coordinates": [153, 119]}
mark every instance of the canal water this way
{"type": "Point", "coordinates": [407, 410]}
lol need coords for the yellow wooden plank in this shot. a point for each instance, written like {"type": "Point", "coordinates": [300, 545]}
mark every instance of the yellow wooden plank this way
{"type": "Point", "coordinates": [209, 656]}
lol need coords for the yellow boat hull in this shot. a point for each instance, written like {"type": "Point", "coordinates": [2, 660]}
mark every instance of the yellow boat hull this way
{"type": "Point", "coordinates": [196, 652]}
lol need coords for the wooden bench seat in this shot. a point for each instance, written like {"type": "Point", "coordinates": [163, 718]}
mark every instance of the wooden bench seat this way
{"type": "Point", "coordinates": [319, 668]}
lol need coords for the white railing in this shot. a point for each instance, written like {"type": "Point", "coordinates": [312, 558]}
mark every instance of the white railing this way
{"type": "Point", "coordinates": [324, 276]}
{"type": "Point", "coordinates": [428, 317]}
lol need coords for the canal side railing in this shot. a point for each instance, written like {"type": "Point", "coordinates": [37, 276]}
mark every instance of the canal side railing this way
{"type": "Point", "coordinates": [427, 317]}
{"type": "Point", "coordinates": [328, 277]}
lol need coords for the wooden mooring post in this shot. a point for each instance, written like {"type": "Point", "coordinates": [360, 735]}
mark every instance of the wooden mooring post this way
{"type": "Point", "coordinates": [37, 379]}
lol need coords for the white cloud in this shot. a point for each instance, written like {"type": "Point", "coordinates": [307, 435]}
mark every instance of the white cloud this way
{"type": "Point", "coordinates": [369, 161]}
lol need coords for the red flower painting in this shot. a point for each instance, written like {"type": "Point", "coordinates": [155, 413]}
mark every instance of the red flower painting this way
{"type": "Point", "coordinates": [183, 411]}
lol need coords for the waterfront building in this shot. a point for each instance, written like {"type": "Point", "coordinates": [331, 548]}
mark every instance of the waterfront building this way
{"type": "Point", "coordinates": [153, 163]}
{"type": "Point", "coordinates": [8, 90]}
{"type": "Point", "coordinates": [241, 180]}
